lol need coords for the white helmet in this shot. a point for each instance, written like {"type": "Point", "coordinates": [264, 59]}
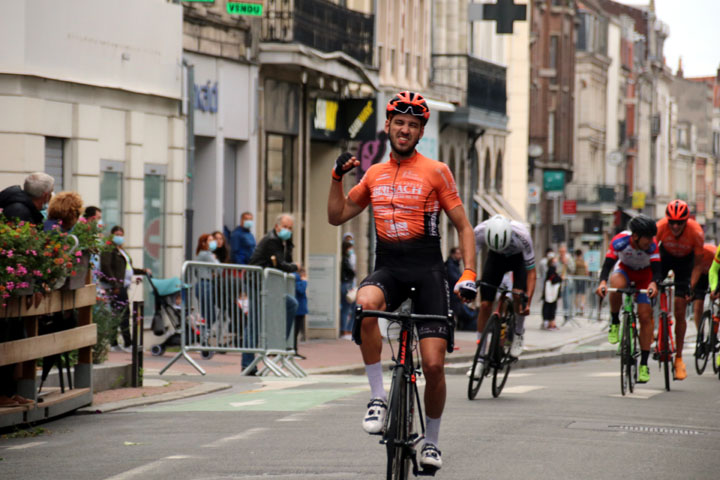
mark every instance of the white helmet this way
{"type": "Point", "coordinates": [498, 233]}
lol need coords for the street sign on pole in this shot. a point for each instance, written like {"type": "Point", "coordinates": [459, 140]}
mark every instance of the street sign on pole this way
{"type": "Point", "coordinates": [553, 180]}
{"type": "Point", "coordinates": [569, 208]}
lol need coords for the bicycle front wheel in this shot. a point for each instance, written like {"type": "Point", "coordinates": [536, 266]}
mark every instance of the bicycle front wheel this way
{"type": "Point", "coordinates": [397, 433]}
{"type": "Point", "coordinates": [703, 345]}
{"type": "Point", "coordinates": [665, 355]}
{"type": "Point", "coordinates": [625, 357]}
{"type": "Point", "coordinates": [481, 362]}
{"type": "Point", "coordinates": [502, 368]}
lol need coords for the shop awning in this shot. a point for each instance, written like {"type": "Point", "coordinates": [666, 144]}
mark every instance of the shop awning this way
{"type": "Point", "coordinates": [495, 204]}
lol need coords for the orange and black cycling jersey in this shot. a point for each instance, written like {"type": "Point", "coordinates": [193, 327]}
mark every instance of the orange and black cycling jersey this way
{"type": "Point", "coordinates": [708, 255]}
{"type": "Point", "coordinates": [407, 197]}
{"type": "Point", "coordinates": [690, 241]}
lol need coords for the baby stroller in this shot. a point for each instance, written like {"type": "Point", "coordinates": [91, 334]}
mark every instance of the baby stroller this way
{"type": "Point", "coordinates": [166, 323]}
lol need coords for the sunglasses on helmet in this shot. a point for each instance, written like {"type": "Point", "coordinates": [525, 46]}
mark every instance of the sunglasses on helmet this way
{"type": "Point", "coordinates": [416, 110]}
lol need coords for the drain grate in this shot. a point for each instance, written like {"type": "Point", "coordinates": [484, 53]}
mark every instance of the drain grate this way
{"type": "Point", "coordinates": [644, 429]}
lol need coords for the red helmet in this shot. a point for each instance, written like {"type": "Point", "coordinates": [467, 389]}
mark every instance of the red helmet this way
{"type": "Point", "coordinates": [408, 102]}
{"type": "Point", "coordinates": [677, 211]}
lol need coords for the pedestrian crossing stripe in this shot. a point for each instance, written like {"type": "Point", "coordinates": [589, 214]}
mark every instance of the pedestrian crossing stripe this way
{"type": "Point", "coordinates": [605, 374]}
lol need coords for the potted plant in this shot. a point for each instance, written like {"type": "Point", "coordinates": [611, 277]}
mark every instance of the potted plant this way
{"type": "Point", "coordinates": [90, 242]}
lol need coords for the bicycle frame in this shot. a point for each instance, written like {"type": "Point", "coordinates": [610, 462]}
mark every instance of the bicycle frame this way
{"type": "Point", "coordinates": [665, 347]}
{"type": "Point", "coordinates": [628, 346]}
{"type": "Point", "coordinates": [706, 344]}
{"type": "Point", "coordinates": [398, 435]}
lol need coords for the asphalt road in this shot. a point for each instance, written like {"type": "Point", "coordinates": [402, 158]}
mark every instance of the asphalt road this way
{"type": "Point", "coordinates": [557, 422]}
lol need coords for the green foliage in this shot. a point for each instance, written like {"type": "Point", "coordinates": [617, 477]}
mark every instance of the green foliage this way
{"type": "Point", "coordinates": [107, 322]}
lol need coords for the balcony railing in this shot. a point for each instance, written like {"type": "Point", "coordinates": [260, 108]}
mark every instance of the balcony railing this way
{"type": "Point", "coordinates": [320, 24]}
{"type": "Point", "coordinates": [483, 84]}
{"type": "Point", "coordinates": [593, 194]}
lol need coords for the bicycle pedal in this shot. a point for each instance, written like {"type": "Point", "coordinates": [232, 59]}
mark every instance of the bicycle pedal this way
{"type": "Point", "coordinates": [428, 471]}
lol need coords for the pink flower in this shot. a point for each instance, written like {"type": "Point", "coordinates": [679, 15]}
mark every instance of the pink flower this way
{"type": "Point", "coordinates": [10, 269]}
{"type": "Point", "coordinates": [37, 273]}
{"type": "Point", "coordinates": [21, 270]}
{"type": "Point", "coordinates": [23, 285]}
{"type": "Point", "coordinates": [10, 285]}
{"type": "Point", "coordinates": [78, 260]}
{"type": "Point", "coordinates": [48, 270]}
{"type": "Point", "coordinates": [78, 254]}
{"type": "Point", "coordinates": [5, 295]}
{"type": "Point", "coordinates": [34, 253]}
{"type": "Point", "coordinates": [9, 253]}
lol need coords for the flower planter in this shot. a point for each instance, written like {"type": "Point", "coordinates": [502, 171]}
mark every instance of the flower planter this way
{"type": "Point", "coordinates": [81, 269]}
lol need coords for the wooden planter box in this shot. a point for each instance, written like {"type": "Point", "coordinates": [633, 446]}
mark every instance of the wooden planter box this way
{"type": "Point", "coordinates": [27, 350]}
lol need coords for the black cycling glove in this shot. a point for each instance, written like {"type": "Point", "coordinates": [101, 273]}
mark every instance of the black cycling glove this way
{"type": "Point", "coordinates": [338, 171]}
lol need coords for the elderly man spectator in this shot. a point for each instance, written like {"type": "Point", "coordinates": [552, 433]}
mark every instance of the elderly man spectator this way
{"type": "Point", "coordinates": [27, 204]}
{"type": "Point", "coordinates": [242, 240]}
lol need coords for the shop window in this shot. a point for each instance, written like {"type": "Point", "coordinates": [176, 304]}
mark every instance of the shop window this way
{"type": "Point", "coordinates": [55, 161]}
{"type": "Point", "coordinates": [111, 193]}
{"type": "Point", "coordinates": [154, 227]}
{"type": "Point", "coordinates": [278, 177]}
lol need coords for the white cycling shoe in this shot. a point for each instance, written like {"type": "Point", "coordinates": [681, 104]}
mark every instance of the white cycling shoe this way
{"type": "Point", "coordinates": [431, 457]}
{"type": "Point", "coordinates": [375, 416]}
{"type": "Point", "coordinates": [517, 346]}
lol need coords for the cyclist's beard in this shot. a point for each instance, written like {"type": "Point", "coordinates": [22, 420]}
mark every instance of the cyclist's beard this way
{"type": "Point", "coordinates": [405, 151]}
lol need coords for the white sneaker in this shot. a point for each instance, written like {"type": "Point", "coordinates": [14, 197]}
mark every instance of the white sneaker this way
{"type": "Point", "coordinates": [375, 416]}
{"type": "Point", "coordinates": [431, 457]}
{"type": "Point", "coordinates": [478, 370]}
{"type": "Point", "coordinates": [517, 346]}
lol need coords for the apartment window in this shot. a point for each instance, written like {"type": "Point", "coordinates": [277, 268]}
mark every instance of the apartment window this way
{"type": "Point", "coordinates": [380, 59]}
{"type": "Point", "coordinates": [551, 135]}
{"type": "Point", "coordinates": [111, 193]}
{"type": "Point", "coordinates": [418, 69]}
{"type": "Point", "coordinates": [683, 136]}
{"type": "Point", "coordinates": [392, 61]}
{"type": "Point", "coordinates": [716, 143]}
{"type": "Point", "coordinates": [54, 161]}
{"type": "Point", "coordinates": [278, 177]}
{"type": "Point", "coordinates": [408, 65]}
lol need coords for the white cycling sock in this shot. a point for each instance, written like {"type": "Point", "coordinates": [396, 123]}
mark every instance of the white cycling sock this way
{"type": "Point", "coordinates": [519, 324]}
{"type": "Point", "coordinates": [432, 430]}
{"type": "Point", "coordinates": [375, 378]}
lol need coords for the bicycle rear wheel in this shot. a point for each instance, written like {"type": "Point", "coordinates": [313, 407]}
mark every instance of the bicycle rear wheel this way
{"type": "Point", "coordinates": [703, 345]}
{"type": "Point", "coordinates": [665, 349]}
{"type": "Point", "coordinates": [502, 368]}
{"type": "Point", "coordinates": [482, 356]}
{"type": "Point", "coordinates": [397, 433]}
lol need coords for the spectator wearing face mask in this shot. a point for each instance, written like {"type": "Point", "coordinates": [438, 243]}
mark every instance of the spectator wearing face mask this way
{"type": "Point", "coordinates": [116, 272]}
{"type": "Point", "coordinates": [242, 240]}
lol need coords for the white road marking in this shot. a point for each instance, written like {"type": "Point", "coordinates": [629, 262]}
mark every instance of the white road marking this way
{"type": "Point", "coordinates": [640, 393]}
{"type": "Point", "coordinates": [519, 375]}
{"type": "Point", "coordinates": [25, 445]}
{"type": "Point", "coordinates": [143, 470]}
{"type": "Point", "coordinates": [522, 388]}
{"type": "Point", "coordinates": [605, 374]}
{"type": "Point", "coordinates": [258, 401]}
{"type": "Point", "coordinates": [240, 436]}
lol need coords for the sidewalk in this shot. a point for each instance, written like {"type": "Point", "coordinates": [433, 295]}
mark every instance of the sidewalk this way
{"type": "Point", "coordinates": [574, 341]}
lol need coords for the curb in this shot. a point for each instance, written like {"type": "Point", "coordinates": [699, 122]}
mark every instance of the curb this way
{"type": "Point", "coordinates": [199, 389]}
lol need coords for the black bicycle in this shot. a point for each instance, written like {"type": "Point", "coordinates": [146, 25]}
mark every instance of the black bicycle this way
{"type": "Point", "coordinates": [400, 432]}
{"type": "Point", "coordinates": [493, 348]}
{"type": "Point", "coordinates": [628, 349]}
{"type": "Point", "coordinates": [665, 346]}
{"type": "Point", "coordinates": [706, 343]}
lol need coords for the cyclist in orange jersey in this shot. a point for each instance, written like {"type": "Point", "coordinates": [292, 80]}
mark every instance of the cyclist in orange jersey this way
{"type": "Point", "coordinates": [702, 282]}
{"type": "Point", "coordinates": [681, 241]}
{"type": "Point", "coordinates": [407, 194]}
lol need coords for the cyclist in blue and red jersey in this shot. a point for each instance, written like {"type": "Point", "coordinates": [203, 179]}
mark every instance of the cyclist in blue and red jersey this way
{"type": "Point", "coordinates": [407, 194]}
{"type": "Point", "coordinates": [634, 255]}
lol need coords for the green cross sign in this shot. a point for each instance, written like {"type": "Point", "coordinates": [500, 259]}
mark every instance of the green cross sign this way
{"type": "Point", "coordinates": [236, 8]}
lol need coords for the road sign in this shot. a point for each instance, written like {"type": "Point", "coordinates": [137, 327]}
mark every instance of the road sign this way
{"type": "Point", "coordinates": [569, 207]}
{"type": "Point", "coordinates": [553, 180]}
{"type": "Point", "coordinates": [533, 193]}
{"type": "Point", "coordinates": [252, 9]}
{"type": "Point", "coordinates": [638, 200]}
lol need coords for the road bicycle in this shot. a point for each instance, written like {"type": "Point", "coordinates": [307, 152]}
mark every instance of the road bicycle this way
{"type": "Point", "coordinates": [493, 348]}
{"type": "Point", "coordinates": [665, 345]}
{"type": "Point", "coordinates": [400, 433]}
{"type": "Point", "coordinates": [628, 349]}
{"type": "Point", "coordinates": [706, 342]}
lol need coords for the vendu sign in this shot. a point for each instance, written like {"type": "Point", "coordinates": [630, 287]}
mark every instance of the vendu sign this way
{"type": "Point", "coordinates": [206, 97]}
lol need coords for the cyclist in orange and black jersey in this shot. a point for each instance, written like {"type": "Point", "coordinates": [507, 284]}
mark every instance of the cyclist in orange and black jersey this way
{"type": "Point", "coordinates": [407, 194]}
{"type": "Point", "coordinates": [681, 241]}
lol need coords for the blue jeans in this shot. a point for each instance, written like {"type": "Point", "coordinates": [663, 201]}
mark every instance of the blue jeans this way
{"type": "Point", "coordinates": [347, 310]}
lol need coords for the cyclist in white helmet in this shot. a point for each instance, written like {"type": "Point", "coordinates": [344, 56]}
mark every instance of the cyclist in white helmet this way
{"type": "Point", "coordinates": [511, 250]}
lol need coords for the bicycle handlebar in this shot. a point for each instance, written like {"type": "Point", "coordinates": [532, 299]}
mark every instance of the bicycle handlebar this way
{"type": "Point", "coordinates": [628, 290]}
{"type": "Point", "coordinates": [523, 296]}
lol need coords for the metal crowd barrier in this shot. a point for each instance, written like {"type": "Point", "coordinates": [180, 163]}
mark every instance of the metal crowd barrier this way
{"type": "Point", "coordinates": [578, 299]}
{"type": "Point", "coordinates": [237, 308]}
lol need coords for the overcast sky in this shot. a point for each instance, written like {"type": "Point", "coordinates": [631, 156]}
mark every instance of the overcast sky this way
{"type": "Point", "coordinates": [694, 34]}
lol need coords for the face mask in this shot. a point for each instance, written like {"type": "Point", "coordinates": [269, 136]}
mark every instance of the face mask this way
{"type": "Point", "coordinates": [212, 245]}
{"type": "Point", "coordinates": [44, 211]}
{"type": "Point", "coordinates": [118, 239]}
{"type": "Point", "coordinates": [284, 234]}
{"type": "Point", "coordinates": [248, 224]}
{"type": "Point", "coordinates": [100, 224]}
{"type": "Point", "coordinates": [351, 242]}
